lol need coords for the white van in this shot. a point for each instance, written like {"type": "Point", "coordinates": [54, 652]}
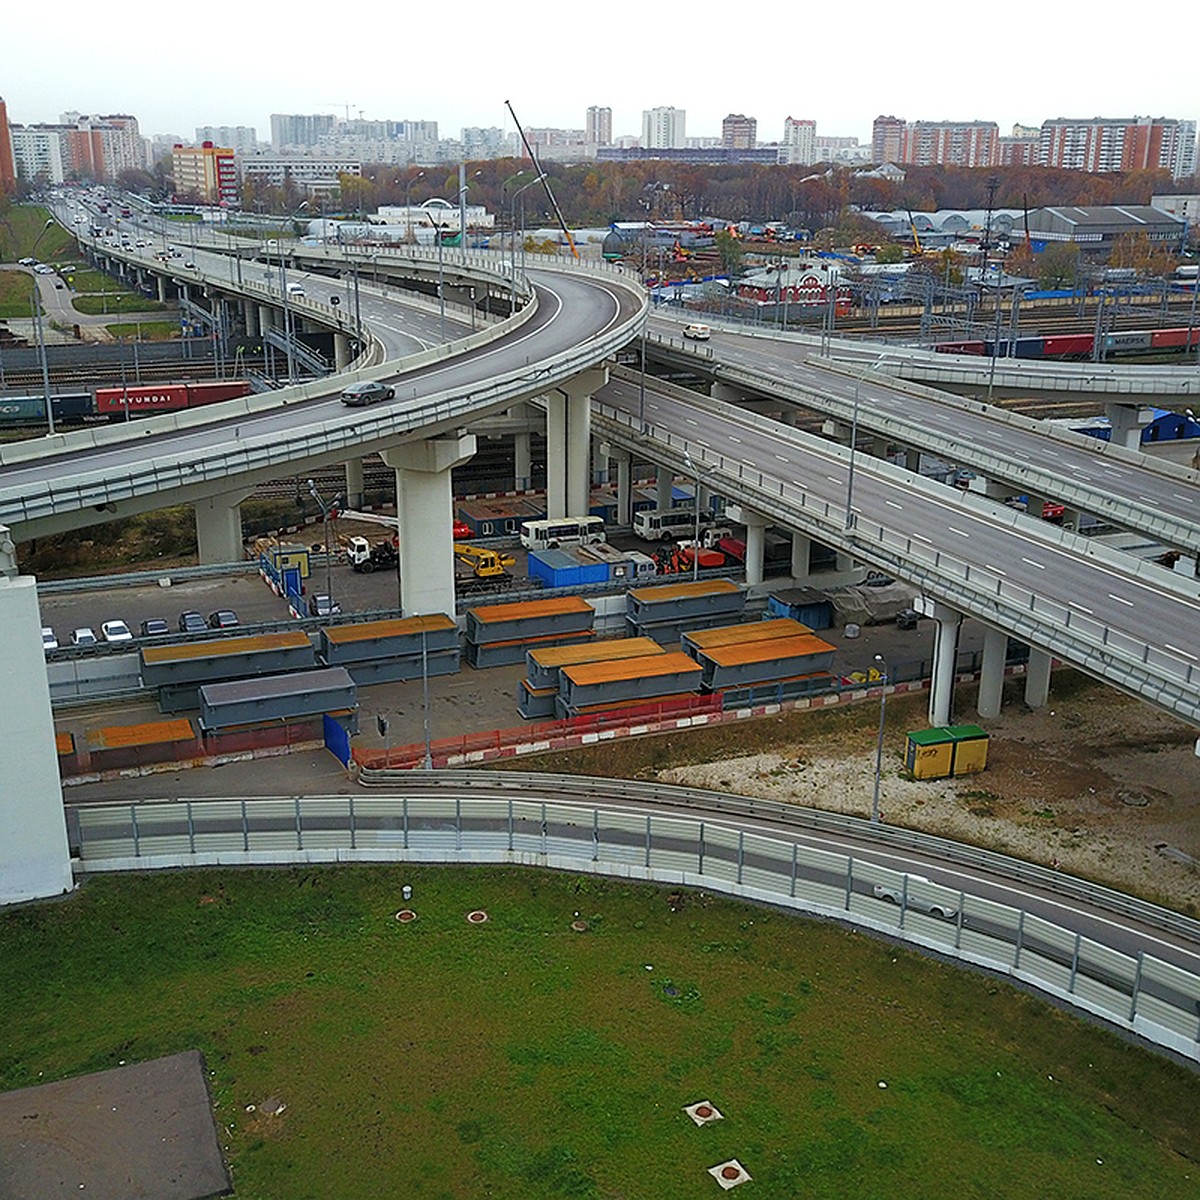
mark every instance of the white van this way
{"type": "Point", "coordinates": [698, 333]}
{"type": "Point", "coordinates": [295, 289]}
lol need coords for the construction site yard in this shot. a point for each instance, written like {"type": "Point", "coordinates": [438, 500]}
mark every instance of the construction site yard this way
{"type": "Point", "coordinates": [1096, 783]}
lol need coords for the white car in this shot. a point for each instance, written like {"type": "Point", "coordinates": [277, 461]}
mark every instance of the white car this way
{"type": "Point", "coordinates": [698, 333]}
{"type": "Point", "coordinates": [897, 894]}
{"type": "Point", "coordinates": [83, 636]}
{"type": "Point", "coordinates": [116, 631]}
{"type": "Point", "coordinates": [49, 641]}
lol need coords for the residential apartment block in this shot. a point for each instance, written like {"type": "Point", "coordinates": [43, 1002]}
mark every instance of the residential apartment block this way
{"type": "Point", "coordinates": [598, 127]}
{"type": "Point", "coordinates": [664, 128]}
{"type": "Point", "coordinates": [207, 172]}
{"type": "Point", "coordinates": [799, 146]}
{"type": "Point", "coordinates": [739, 132]}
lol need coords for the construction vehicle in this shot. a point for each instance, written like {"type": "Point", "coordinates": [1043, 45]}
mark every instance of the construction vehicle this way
{"type": "Point", "coordinates": [365, 558]}
{"type": "Point", "coordinates": [484, 563]}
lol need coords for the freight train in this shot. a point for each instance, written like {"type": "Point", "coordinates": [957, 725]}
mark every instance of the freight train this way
{"type": "Point", "coordinates": [117, 403]}
{"type": "Point", "coordinates": [1080, 346]}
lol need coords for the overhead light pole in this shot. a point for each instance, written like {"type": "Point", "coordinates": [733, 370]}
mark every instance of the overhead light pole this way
{"type": "Point", "coordinates": [695, 470]}
{"type": "Point", "coordinates": [512, 223]}
{"type": "Point", "coordinates": [883, 686]}
{"type": "Point", "coordinates": [326, 509]}
{"type": "Point", "coordinates": [287, 309]}
{"type": "Point", "coordinates": [41, 334]}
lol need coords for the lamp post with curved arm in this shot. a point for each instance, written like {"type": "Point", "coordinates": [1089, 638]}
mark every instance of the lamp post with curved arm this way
{"type": "Point", "coordinates": [513, 212]}
{"type": "Point", "coordinates": [883, 686]}
{"type": "Point", "coordinates": [41, 333]}
{"type": "Point", "coordinates": [287, 310]}
{"type": "Point", "coordinates": [408, 237]}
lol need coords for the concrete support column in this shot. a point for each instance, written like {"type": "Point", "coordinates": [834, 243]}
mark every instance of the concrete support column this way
{"type": "Point", "coordinates": [162, 289]}
{"type": "Point", "coordinates": [35, 861]}
{"type": "Point", "coordinates": [945, 653]}
{"type": "Point", "coordinates": [341, 351]}
{"type": "Point", "coordinates": [912, 461]}
{"type": "Point", "coordinates": [756, 526]}
{"type": "Point", "coordinates": [250, 318]}
{"type": "Point", "coordinates": [219, 528]}
{"type": "Point", "coordinates": [991, 674]}
{"type": "Point", "coordinates": [1128, 421]}
{"type": "Point", "coordinates": [266, 317]}
{"type": "Point", "coordinates": [1037, 678]}
{"type": "Point", "coordinates": [801, 556]}
{"type": "Point", "coordinates": [354, 482]}
{"type": "Point", "coordinates": [664, 487]}
{"type": "Point", "coordinates": [600, 457]}
{"type": "Point", "coordinates": [522, 460]}
{"type": "Point", "coordinates": [1070, 519]}
{"type": "Point", "coordinates": [844, 563]}
{"type": "Point", "coordinates": [556, 455]}
{"type": "Point", "coordinates": [578, 394]}
{"type": "Point", "coordinates": [728, 393]}
{"type": "Point", "coordinates": [624, 487]}
{"type": "Point", "coordinates": [879, 447]}
{"type": "Point", "coordinates": [425, 504]}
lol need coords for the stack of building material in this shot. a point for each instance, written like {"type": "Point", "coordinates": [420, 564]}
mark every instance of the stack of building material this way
{"type": "Point", "coordinates": [385, 651]}
{"type": "Point", "coordinates": [782, 653]}
{"type": "Point", "coordinates": [280, 698]}
{"type": "Point", "coordinates": [179, 670]}
{"type": "Point", "coordinates": [665, 613]}
{"type": "Point", "coordinates": [537, 691]}
{"type": "Point", "coordinates": [499, 634]}
{"type": "Point", "coordinates": [596, 686]}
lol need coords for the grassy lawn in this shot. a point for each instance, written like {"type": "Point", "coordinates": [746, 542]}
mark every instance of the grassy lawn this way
{"type": "Point", "coordinates": [521, 1059]}
{"type": "Point", "coordinates": [146, 331]}
{"type": "Point", "coordinates": [16, 294]}
{"type": "Point", "coordinates": [88, 280]}
{"type": "Point", "coordinates": [124, 303]}
{"type": "Point", "coordinates": [22, 225]}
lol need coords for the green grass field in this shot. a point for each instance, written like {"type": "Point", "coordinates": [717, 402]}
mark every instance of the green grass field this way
{"type": "Point", "coordinates": [90, 281]}
{"type": "Point", "coordinates": [522, 1059]}
{"type": "Point", "coordinates": [16, 294]}
{"type": "Point", "coordinates": [125, 302]}
{"type": "Point", "coordinates": [22, 225]}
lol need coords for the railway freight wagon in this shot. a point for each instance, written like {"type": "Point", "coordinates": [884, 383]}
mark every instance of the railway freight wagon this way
{"type": "Point", "coordinates": [172, 397]}
{"type": "Point", "coordinates": [19, 411]}
{"type": "Point", "coordinates": [1079, 346]}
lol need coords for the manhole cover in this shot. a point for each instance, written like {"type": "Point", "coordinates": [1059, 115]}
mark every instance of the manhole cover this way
{"type": "Point", "coordinates": [405, 915]}
{"type": "Point", "coordinates": [476, 917]}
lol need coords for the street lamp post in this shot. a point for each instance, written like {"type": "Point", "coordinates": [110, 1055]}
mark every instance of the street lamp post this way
{"type": "Point", "coordinates": [326, 509]}
{"type": "Point", "coordinates": [642, 374]}
{"type": "Point", "coordinates": [883, 686]}
{"type": "Point", "coordinates": [695, 470]}
{"type": "Point", "coordinates": [512, 225]}
{"type": "Point", "coordinates": [849, 520]}
{"type": "Point", "coordinates": [41, 336]}
{"type": "Point", "coordinates": [287, 309]}
{"type": "Point", "coordinates": [428, 763]}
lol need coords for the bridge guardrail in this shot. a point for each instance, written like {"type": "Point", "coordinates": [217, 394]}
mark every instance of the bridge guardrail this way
{"type": "Point", "coordinates": [1145, 994]}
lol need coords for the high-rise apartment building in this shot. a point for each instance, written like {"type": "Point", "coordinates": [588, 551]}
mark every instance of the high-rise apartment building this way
{"type": "Point", "coordinates": [206, 172]}
{"type": "Point", "coordinates": [104, 146]}
{"type": "Point", "coordinates": [598, 128]}
{"type": "Point", "coordinates": [887, 139]}
{"type": "Point", "coordinates": [8, 165]}
{"type": "Point", "coordinates": [799, 147]}
{"type": "Point", "coordinates": [40, 154]}
{"type": "Point", "coordinates": [1122, 144]}
{"type": "Point", "coordinates": [241, 139]}
{"type": "Point", "coordinates": [739, 132]}
{"type": "Point", "coordinates": [664, 128]}
{"type": "Point", "coordinates": [951, 144]}
{"type": "Point", "coordinates": [300, 129]}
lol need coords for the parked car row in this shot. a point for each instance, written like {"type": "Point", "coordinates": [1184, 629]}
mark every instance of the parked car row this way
{"type": "Point", "coordinates": [116, 631]}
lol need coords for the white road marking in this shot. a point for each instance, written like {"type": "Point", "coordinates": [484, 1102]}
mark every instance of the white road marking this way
{"type": "Point", "coordinates": [1120, 599]}
{"type": "Point", "coordinates": [893, 504]}
{"type": "Point", "coordinates": [1040, 566]}
{"type": "Point", "coordinates": [960, 532]}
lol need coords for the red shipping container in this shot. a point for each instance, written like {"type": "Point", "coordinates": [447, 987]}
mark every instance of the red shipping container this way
{"type": "Point", "coordinates": [1067, 344]}
{"type": "Point", "coordinates": [1169, 339]}
{"type": "Point", "coordinates": [214, 393]}
{"type": "Point", "coordinates": [148, 398]}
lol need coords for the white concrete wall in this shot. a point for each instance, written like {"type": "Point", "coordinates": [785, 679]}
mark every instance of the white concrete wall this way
{"type": "Point", "coordinates": [34, 859]}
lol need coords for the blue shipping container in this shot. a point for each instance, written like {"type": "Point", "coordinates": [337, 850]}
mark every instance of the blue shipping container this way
{"type": "Point", "coordinates": [557, 568]}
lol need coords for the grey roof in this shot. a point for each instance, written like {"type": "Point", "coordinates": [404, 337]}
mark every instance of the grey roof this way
{"type": "Point", "coordinates": [1114, 214]}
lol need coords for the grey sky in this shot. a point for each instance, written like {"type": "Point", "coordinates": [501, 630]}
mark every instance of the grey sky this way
{"type": "Point", "coordinates": [177, 66]}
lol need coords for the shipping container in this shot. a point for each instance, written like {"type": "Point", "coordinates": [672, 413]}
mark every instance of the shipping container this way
{"type": "Point", "coordinates": [627, 681]}
{"type": "Point", "coordinates": [806, 605]}
{"type": "Point", "coordinates": [166, 397]}
{"type": "Point", "coordinates": [745, 664]}
{"type": "Point", "coordinates": [215, 392]}
{"type": "Point", "coordinates": [559, 568]}
{"type": "Point", "coordinates": [515, 619]}
{"type": "Point", "coordinates": [946, 750]}
{"type": "Point", "coordinates": [542, 666]}
{"type": "Point", "coordinates": [743, 634]}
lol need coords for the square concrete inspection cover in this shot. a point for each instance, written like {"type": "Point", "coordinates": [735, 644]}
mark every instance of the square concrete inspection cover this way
{"type": "Point", "coordinates": [729, 1174]}
{"type": "Point", "coordinates": [703, 1111]}
{"type": "Point", "coordinates": [143, 1130]}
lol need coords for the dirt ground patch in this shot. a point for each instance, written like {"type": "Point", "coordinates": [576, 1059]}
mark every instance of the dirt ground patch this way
{"type": "Point", "coordinates": [1107, 787]}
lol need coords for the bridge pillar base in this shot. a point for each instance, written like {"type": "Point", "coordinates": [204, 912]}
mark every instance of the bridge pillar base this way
{"type": "Point", "coordinates": [945, 652]}
{"type": "Point", "coordinates": [664, 487]}
{"type": "Point", "coordinates": [624, 462]}
{"type": "Point", "coordinates": [756, 527]}
{"type": "Point", "coordinates": [991, 674]}
{"type": "Point", "coordinates": [354, 482]}
{"type": "Point", "coordinates": [219, 528]}
{"type": "Point", "coordinates": [522, 461]}
{"type": "Point", "coordinates": [425, 504]}
{"type": "Point", "coordinates": [35, 860]}
{"type": "Point", "coordinates": [1128, 421]}
{"type": "Point", "coordinates": [1037, 679]}
{"type": "Point", "coordinates": [801, 557]}
{"type": "Point", "coordinates": [728, 393]}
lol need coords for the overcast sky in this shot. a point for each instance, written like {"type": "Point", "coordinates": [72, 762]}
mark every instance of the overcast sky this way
{"type": "Point", "coordinates": [176, 66]}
